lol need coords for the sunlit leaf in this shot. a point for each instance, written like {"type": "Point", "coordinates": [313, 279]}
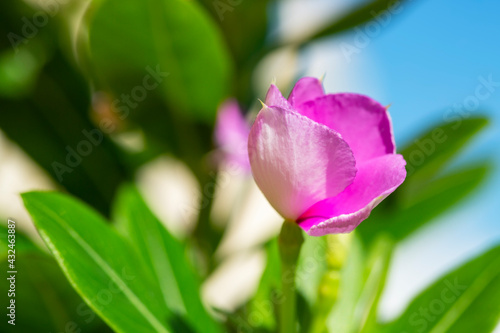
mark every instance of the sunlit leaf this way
{"type": "Point", "coordinates": [100, 265]}
{"type": "Point", "coordinates": [166, 258]}
{"type": "Point", "coordinates": [465, 300]}
{"type": "Point", "coordinates": [376, 269]}
{"type": "Point", "coordinates": [44, 299]}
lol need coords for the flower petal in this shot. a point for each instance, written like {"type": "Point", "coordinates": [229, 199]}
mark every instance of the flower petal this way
{"type": "Point", "coordinates": [297, 162]}
{"type": "Point", "coordinates": [231, 134]}
{"type": "Point", "coordinates": [375, 180]}
{"type": "Point", "coordinates": [363, 123]}
{"type": "Point", "coordinates": [275, 98]}
{"type": "Point", "coordinates": [306, 89]}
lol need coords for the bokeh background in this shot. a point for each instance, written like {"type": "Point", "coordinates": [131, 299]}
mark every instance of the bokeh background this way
{"type": "Point", "coordinates": [426, 61]}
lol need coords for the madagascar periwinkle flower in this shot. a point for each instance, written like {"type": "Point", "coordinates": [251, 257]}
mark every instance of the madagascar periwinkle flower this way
{"type": "Point", "coordinates": [324, 161]}
{"type": "Point", "coordinates": [231, 135]}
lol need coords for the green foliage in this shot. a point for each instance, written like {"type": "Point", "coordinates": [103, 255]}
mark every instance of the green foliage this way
{"type": "Point", "coordinates": [264, 303]}
{"type": "Point", "coordinates": [173, 37]}
{"type": "Point", "coordinates": [165, 257]}
{"type": "Point", "coordinates": [44, 299]}
{"type": "Point", "coordinates": [187, 57]}
{"type": "Point", "coordinates": [463, 300]}
{"type": "Point", "coordinates": [364, 13]}
{"type": "Point", "coordinates": [103, 268]}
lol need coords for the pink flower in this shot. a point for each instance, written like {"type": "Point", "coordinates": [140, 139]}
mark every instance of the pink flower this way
{"type": "Point", "coordinates": [324, 161]}
{"type": "Point", "coordinates": [231, 135]}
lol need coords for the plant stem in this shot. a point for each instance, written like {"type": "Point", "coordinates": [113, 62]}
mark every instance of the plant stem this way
{"type": "Point", "coordinates": [290, 241]}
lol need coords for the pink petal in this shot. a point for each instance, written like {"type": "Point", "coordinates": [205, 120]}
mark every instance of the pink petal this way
{"type": "Point", "coordinates": [275, 98]}
{"type": "Point", "coordinates": [297, 162]}
{"type": "Point", "coordinates": [231, 134]}
{"type": "Point", "coordinates": [375, 180]}
{"type": "Point", "coordinates": [306, 89]}
{"type": "Point", "coordinates": [363, 123]}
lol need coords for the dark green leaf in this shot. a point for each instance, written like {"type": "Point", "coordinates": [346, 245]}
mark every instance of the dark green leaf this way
{"type": "Point", "coordinates": [61, 138]}
{"type": "Point", "coordinates": [245, 26]}
{"type": "Point", "coordinates": [174, 39]}
{"type": "Point", "coordinates": [101, 266]}
{"type": "Point", "coordinates": [465, 300]}
{"type": "Point", "coordinates": [364, 13]}
{"type": "Point", "coordinates": [44, 300]}
{"type": "Point", "coordinates": [166, 258]}
{"type": "Point", "coordinates": [23, 243]}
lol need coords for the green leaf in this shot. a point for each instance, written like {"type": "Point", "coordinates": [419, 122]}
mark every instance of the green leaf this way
{"type": "Point", "coordinates": [264, 303]}
{"type": "Point", "coordinates": [465, 300]}
{"type": "Point", "coordinates": [166, 258]}
{"type": "Point", "coordinates": [168, 36]}
{"type": "Point", "coordinates": [364, 13]}
{"type": "Point", "coordinates": [56, 135]}
{"type": "Point", "coordinates": [427, 155]}
{"type": "Point", "coordinates": [44, 299]}
{"type": "Point", "coordinates": [100, 265]}
{"type": "Point", "coordinates": [245, 26]}
{"type": "Point", "coordinates": [436, 198]}
{"type": "Point", "coordinates": [22, 243]}
{"type": "Point", "coordinates": [376, 269]}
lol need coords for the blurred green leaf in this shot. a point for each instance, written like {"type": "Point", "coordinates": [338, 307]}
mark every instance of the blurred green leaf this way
{"type": "Point", "coordinates": [166, 258]}
{"type": "Point", "coordinates": [245, 26]}
{"type": "Point", "coordinates": [439, 196]}
{"type": "Point", "coordinates": [362, 279]}
{"type": "Point", "coordinates": [23, 243]}
{"type": "Point", "coordinates": [304, 314]}
{"type": "Point", "coordinates": [267, 298]}
{"type": "Point", "coordinates": [60, 136]}
{"type": "Point", "coordinates": [465, 300]}
{"type": "Point", "coordinates": [101, 266]}
{"type": "Point", "coordinates": [19, 71]}
{"type": "Point", "coordinates": [45, 301]}
{"type": "Point", "coordinates": [172, 43]}
{"type": "Point", "coordinates": [428, 154]}
{"type": "Point", "coordinates": [368, 11]}
{"type": "Point", "coordinates": [376, 269]}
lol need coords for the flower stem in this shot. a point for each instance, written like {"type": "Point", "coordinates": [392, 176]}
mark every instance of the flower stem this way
{"type": "Point", "coordinates": [290, 241]}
